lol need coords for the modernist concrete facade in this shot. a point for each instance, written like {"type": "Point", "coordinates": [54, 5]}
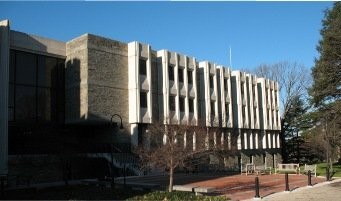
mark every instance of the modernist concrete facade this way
{"type": "Point", "coordinates": [104, 77]}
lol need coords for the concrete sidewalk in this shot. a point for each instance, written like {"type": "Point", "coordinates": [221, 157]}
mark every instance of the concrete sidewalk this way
{"type": "Point", "coordinates": [330, 191]}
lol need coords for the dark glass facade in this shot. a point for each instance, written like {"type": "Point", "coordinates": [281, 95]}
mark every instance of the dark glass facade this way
{"type": "Point", "coordinates": [36, 100]}
{"type": "Point", "coordinates": [36, 88]}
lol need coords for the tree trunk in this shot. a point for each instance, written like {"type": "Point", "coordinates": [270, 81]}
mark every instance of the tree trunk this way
{"type": "Point", "coordinates": [171, 171]}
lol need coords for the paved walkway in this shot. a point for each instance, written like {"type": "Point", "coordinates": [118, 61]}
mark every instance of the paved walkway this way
{"type": "Point", "coordinates": [330, 191]}
{"type": "Point", "coordinates": [236, 187]}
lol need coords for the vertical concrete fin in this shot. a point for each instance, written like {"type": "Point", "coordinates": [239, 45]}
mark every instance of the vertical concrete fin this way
{"type": "Point", "coordinates": [4, 76]}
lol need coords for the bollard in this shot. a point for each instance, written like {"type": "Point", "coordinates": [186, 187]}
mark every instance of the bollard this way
{"type": "Point", "coordinates": [327, 173]}
{"type": "Point", "coordinates": [257, 187]}
{"type": "Point", "coordinates": [286, 182]}
{"type": "Point", "coordinates": [309, 178]}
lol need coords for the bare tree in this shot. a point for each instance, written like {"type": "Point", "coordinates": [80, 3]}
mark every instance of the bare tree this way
{"type": "Point", "coordinates": [293, 81]}
{"type": "Point", "coordinates": [167, 147]}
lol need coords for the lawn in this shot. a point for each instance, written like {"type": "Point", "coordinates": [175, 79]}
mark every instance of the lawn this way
{"type": "Point", "coordinates": [321, 169]}
{"type": "Point", "coordinates": [175, 196]}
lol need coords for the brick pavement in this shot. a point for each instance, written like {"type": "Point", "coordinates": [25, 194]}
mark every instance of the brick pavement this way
{"type": "Point", "coordinates": [236, 187]}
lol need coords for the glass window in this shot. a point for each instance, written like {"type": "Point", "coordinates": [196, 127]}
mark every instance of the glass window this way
{"type": "Point", "coordinates": [254, 92]}
{"type": "Point", "coordinates": [171, 72]}
{"type": "Point", "coordinates": [181, 74]}
{"type": "Point", "coordinates": [225, 84]}
{"type": "Point", "coordinates": [212, 108]}
{"type": "Point", "coordinates": [12, 67]}
{"type": "Point", "coordinates": [182, 104]}
{"type": "Point", "coordinates": [44, 104]}
{"type": "Point", "coordinates": [242, 89]}
{"type": "Point", "coordinates": [172, 103]}
{"type": "Point", "coordinates": [26, 68]}
{"type": "Point", "coordinates": [211, 82]}
{"type": "Point", "coordinates": [143, 99]}
{"type": "Point", "coordinates": [47, 67]}
{"type": "Point", "coordinates": [143, 66]}
{"type": "Point", "coordinates": [11, 95]}
{"type": "Point", "coordinates": [190, 76]}
{"type": "Point", "coordinates": [191, 105]}
{"type": "Point", "coordinates": [227, 109]}
{"type": "Point", "coordinates": [25, 105]}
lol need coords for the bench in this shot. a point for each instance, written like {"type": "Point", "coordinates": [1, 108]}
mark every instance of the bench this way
{"type": "Point", "coordinates": [202, 190]}
{"type": "Point", "coordinates": [184, 188]}
{"type": "Point", "coordinates": [262, 169]}
{"type": "Point", "coordinates": [312, 169]}
{"type": "Point", "coordinates": [286, 168]}
{"type": "Point", "coordinates": [248, 168]}
{"type": "Point", "coordinates": [195, 189]}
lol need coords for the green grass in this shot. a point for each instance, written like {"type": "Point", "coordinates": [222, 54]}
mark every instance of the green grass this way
{"type": "Point", "coordinates": [176, 196]}
{"type": "Point", "coordinates": [321, 169]}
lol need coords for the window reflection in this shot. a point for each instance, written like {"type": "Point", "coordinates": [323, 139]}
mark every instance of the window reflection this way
{"type": "Point", "coordinates": [25, 103]}
{"type": "Point", "coordinates": [25, 68]}
{"type": "Point", "coordinates": [46, 71]}
{"type": "Point", "coordinates": [36, 90]}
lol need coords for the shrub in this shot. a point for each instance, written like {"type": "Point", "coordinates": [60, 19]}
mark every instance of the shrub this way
{"type": "Point", "coordinates": [176, 196]}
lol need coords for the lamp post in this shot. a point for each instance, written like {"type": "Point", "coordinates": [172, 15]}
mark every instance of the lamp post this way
{"type": "Point", "coordinates": [121, 125]}
{"type": "Point", "coordinates": [112, 146]}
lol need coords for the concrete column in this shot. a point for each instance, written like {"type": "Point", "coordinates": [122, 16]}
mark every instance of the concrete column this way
{"type": "Point", "coordinates": [269, 140]}
{"type": "Point", "coordinates": [134, 133]}
{"type": "Point", "coordinates": [251, 141]}
{"type": "Point", "coordinates": [185, 140]}
{"type": "Point", "coordinates": [256, 140]}
{"type": "Point", "coordinates": [264, 140]}
{"type": "Point", "coordinates": [239, 142]}
{"type": "Point", "coordinates": [229, 140]}
{"type": "Point", "coordinates": [245, 141]}
{"type": "Point", "coordinates": [194, 141]}
{"type": "Point", "coordinates": [4, 79]}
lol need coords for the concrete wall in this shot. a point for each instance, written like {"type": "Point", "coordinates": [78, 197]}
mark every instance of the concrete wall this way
{"type": "Point", "coordinates": [107, 79]}
{"type": "Point", "coordinates": [37, 44]}
{"type": "Point", "coordinates": [76, 80]}
{"type": "Point", "coordinates": [96, 84]}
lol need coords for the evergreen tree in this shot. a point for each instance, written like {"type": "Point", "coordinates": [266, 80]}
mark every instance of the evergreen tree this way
{"type": "Point", "coordinates": [326, 88]}
{"type": "Point", "coordinates": [327, 71]}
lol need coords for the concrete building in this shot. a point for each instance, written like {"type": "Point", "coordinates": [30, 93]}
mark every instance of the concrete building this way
{"type": "Point", "coordinates": [74, 90]}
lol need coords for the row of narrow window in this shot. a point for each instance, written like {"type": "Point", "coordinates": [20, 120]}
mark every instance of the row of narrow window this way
{"type": "Point", "coordinates": [172, 100]}
{"type": "Point", "coordinates": [180, 74]}
{"type": "Point", "coordinates": [143, 102]}
{"type": "Point", "coordinates": [143, 71]}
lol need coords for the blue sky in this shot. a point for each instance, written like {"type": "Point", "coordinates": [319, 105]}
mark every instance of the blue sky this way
{"type": "Point", "coordinates": [258, 32]}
